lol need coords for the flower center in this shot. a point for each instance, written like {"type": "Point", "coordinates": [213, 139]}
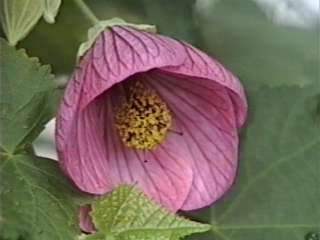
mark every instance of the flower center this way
{"type": "Point", "coordinates": [143, 119]}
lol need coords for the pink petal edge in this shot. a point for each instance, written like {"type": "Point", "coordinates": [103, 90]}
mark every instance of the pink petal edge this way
{"type": "Point", "coordinates": [206, 118]}
{"type": "Point", "coordinates": [211, 129]}
{"type": "Point", "coordinates": [200, 65]}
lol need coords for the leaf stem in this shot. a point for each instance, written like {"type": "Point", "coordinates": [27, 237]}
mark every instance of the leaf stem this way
{"type": "Point", "coordinates": [87, 11]}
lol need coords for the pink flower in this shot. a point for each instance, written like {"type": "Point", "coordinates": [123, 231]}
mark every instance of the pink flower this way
{"type": "Point", "coordinates": [147, 109]}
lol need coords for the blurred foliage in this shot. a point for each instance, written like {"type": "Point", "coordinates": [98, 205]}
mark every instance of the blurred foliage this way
{"type": "Point", "coordinates": [18, 18]}
{"type": "Point", "coordinates": [57, 44]}
{"type": "Point", "coordinates": [237, 33]}
{"type": "Point", "coordinates": [240, 35]}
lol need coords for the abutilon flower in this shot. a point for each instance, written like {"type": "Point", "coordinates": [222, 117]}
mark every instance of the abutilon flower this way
{"type": "Point", "coordinates": [149, 110]}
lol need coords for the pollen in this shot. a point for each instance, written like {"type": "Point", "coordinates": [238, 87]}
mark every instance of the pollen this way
{"type": "Point", "coordinates": [143, 118]}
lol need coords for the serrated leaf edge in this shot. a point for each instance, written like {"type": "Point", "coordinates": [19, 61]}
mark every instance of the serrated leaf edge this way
{"type": "Point", "coordinates": [118, 231]}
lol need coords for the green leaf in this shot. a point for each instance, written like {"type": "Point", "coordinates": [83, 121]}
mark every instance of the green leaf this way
{"type": "Point", "coordinates": [60, 54]}
{"type": "Point", "coordinates": [276, 195]}
{"type": "Point", "coordinates": [51, 10]}
{"type": "Point", "coordinates": [25, 103]}
{"type": "Point", "coordinates": [19, 17]}
{"type": "Point", "coordinates": [127, 213]}
{"type": "Point", "coordinates": [261, 52]}
{"type": "Point", "coordinates": [36, 200]}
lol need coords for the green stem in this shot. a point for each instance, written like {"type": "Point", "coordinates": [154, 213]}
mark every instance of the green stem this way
{"type": "Point", "coordinates": [87, 11]}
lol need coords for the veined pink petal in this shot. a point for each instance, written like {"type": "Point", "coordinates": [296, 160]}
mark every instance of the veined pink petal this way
{"type": "Point", "coordinates": [199, 65]}
{"type": "Point", "coordinates": [122, 52]}
{"type": "Point", "coordinates": [89, 150]}
{"type": "Point", "coordinates": [116, 55]}
{"type": "Point", "coordinates": [204, 112]}
{"type": "Point", "coordinates": [210, 104]}
{"type": "Point", "coordinates": [164, 174]}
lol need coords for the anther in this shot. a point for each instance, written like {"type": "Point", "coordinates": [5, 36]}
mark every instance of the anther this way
{"type": "Point", "coordinates": [143, 119]}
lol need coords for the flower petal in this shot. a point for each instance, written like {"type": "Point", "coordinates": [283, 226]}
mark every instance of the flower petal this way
{"type": "Point", "coordinates": [205, 114]}
{"type": "Point", "coordinates": [121, 52]}
{"type": "Point", "coordinates": [164, 174]}
{"type": "Point", "coordinates": [117, 54]}
{"type": "Point", "coordinates": [85, 220]}
{"type": "Point", "coordinates": [97, 160]}
{"type": "Point", "coordinates": [199, 65]}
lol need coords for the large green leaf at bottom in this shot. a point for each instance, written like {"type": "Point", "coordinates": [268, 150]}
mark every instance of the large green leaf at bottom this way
{"type": "Point", "coordinates": [277, 192]}
{"type": "Point", "coordinates": [127, 214]}
{"type": "Point", "coordinates": [36, 201]}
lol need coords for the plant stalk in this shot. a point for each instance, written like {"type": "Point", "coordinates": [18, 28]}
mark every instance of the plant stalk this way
{"type": "Point", "coordinates": [87, 11]}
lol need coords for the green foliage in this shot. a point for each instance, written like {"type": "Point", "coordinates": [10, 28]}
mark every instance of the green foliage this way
{"type": "Point", "coordinates": [60, 41]}
{"type": "Point", "coordinates": [173, 18]}
{"type": "Point", "coordinates": [259, 51]}
{"type": "Point", "coordinates": [51, 9]}
{"type": "Point", "coordinates": [36, 201]}
{"type": "Point", "coordinates": [26, 105]}
{"type": "Point", "coordinates": [276, 195]}
{"type": "Point", "coordinates": [127, 213]}
{"type": "Point", "coordinates": [19, 17]}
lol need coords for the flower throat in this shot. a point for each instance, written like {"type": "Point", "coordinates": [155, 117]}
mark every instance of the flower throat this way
{"type": "Point", "coordinates": [143, 119]}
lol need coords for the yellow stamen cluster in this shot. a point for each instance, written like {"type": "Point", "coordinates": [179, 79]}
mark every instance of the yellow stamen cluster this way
{"type": "Point", "coordinates": [143, 119]}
